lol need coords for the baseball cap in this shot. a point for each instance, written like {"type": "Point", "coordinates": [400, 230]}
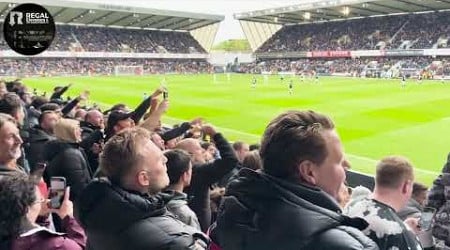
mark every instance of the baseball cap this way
{"type": "Point", "coordinates": [116, 116]}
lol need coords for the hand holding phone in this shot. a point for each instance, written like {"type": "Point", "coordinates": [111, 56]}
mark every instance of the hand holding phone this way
{"type": "Point", "coordinates": [57, 192]}
{"type": "Point", "coordinates": [426, 219]}
{"type": "Point", "coordinates": [66, 208]}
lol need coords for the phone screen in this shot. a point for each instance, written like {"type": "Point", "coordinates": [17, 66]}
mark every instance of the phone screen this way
{"type": "Point", "coordinates": [56, 192]}
{"type": "Point", "coordinates": [426, 218]}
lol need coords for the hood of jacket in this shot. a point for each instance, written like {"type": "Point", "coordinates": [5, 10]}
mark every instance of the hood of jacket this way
{"type": "Point", "coordinates": [88, 126]}
{"type": "Point", "coordinates": [263, 207]}
{"type": "Point", "coordinates": [174, 199]}
{"type": "Point", "coordinates": [101, 206]}
{"type": "Point", "coordinates": [37, 134]}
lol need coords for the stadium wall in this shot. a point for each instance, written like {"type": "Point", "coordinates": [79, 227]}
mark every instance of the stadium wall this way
{"type": "Point", "coordinates": [222, 59]}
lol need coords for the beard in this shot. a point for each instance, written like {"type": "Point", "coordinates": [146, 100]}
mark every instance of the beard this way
{"type": "Point", "coordinates": [157, 185]}
{"type": "Point", "coordinates": [15, 153]}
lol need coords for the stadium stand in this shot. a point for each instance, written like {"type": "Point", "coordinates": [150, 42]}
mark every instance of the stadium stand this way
{"type": "Point", "coordinates": [101, 39]}
{"type": "Point", "coordinates": [361, 67]}
{"type": "Point", "coordinates": [93, 38]}
{"type": "Point", "coordinates": [418, 31]}
{"type": "Point", "coordinates": [85, 66]}
{"type": "Point", "coordinates": [362, 38]}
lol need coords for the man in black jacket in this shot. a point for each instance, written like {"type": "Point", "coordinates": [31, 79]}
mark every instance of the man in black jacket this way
{"type": "Point", "coordinates": [92, 134]}
{"type": "Point", "coordinates": [39, 136]}
{"type": "Point", "coordinates": [124, 210]}
{"type": "Point", "coordinates": [58, 91]}
{"type": "Point", "coordinates": [292, 203]}
{"type": "Point", "coordinates": [205, 174]}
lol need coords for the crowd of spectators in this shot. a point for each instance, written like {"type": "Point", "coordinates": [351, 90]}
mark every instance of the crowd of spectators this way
{"type": "Point", "coordinates": [424, 31]}
{"type": "Point", "coordinates": [101, 66]}
{"type": "Point", "coordinates": [352, 66]}
{"type": "Point", "coordinates": [307, 65]}
{"type": "Point", "coordinates": [389, 32]}
{"type": "Point", "coordinates": [102, 39]}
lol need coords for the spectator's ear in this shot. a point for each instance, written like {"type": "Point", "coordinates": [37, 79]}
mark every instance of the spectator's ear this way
{"type": "Point", "coordinates": [306, 171]}
{"type": "Point", "coordinates": [143, 179]}
{"type": "Point", "coordinates": [407, 187]}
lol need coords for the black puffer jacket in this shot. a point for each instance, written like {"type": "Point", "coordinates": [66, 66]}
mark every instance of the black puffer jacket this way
{"type": "Point", "coordinates": [260, 212]}
{"type": "Point", "coordinates": [116, 219]}
{"type": "Point", "coordinates": [439, 198]}
{"type": "Point", "coordinates": [35, 146]}
{"type": "Point", "coordinates": [203, 176]}
{"type": "Point", "coordinates": [91, 134]}
{"type": "Point", "coordinates": [67, 160]}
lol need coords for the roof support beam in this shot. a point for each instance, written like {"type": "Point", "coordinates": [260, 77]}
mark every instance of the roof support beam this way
{"type": "Point", "coordinates": [177, 25]}
{"type": "Point", "coordinates": [199, 25]}
{"type": "Point", "coordinates": [4, 9]}
{"type": "Point", "coordinates": [388, 7]}
{"type": "Point", "coordinates": [191, 24]}
{"type": "Point", "coordinates": [82, 14]}
{"type": "Point", "coordinates": [140, 21]}
{"type": "Point", "coordinates": [59, 12]}
{"type": "Point", "coordinates": [119, 19]}
{"type": "Point", "coordinates": [327, 13]}
{"type": "Point", "coordinates": [374, 11]}
{"type": "Point", "coordinates": [416, 4]}
{"type": "Point", "coordinates": [158, 21]}
{"type": "Point", "coordinates": [100, 17]}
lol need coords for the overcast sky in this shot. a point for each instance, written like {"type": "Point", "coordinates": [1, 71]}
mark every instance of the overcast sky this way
{"type": "Point", "coordinates": [229, 28]}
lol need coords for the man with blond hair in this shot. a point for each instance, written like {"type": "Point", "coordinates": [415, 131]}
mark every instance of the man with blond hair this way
{"type": "Point", "coordinates": [393, 187]}
{"type": "Point", "coordinates": [124, 210]}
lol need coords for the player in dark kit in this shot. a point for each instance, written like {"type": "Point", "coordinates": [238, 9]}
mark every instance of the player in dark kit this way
{"type": "Point", "coordinates": [290, 87]}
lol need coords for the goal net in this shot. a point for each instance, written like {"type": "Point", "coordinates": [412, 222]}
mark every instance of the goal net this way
{"type": "Point", "coordinates": [122, 70]}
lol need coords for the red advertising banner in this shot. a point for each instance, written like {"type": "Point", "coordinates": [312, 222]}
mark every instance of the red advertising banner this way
{"type": "Point", "coordinates": [330, 53]}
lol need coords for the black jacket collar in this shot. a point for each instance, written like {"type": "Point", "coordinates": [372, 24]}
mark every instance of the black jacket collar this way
{"type": "Point", "coordinates": [112, 207]}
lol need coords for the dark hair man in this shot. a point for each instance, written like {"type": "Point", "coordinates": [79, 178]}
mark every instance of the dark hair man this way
{"type": "Point", "coordinates": [292, 203]}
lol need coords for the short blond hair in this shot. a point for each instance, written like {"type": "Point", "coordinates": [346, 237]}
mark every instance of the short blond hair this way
{"type": "Point", "coordinates": [65, 129]}
{"type": "Point", "coordinates": [121, 153]}
{"type": "Point", "coordinates": [392, 171]}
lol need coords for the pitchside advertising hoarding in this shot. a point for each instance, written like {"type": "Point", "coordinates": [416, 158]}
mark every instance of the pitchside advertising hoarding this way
{"type": "Point", "coordinates": [329, 53]}
{"type": "Point", "coordinates": [355, 53]}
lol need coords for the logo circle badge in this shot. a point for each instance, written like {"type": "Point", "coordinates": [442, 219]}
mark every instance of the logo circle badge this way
{"type": "Point", "coordinates": [29, 29]}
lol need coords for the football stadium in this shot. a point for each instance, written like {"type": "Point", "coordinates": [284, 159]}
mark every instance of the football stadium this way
{"type": "Point", "coordinates": [378, 69]}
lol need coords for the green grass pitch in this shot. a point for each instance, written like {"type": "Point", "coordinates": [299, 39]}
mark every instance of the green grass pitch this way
{"type": "Point", "coordinates": [374, 117]}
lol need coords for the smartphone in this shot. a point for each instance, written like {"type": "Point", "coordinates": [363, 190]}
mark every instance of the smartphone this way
{"type": "Point", "coordinates": [56, 192]}
{"type": "Point", "coordinates": [165, 95]}
{"type": "Point", "coordinates": [426, 219]}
